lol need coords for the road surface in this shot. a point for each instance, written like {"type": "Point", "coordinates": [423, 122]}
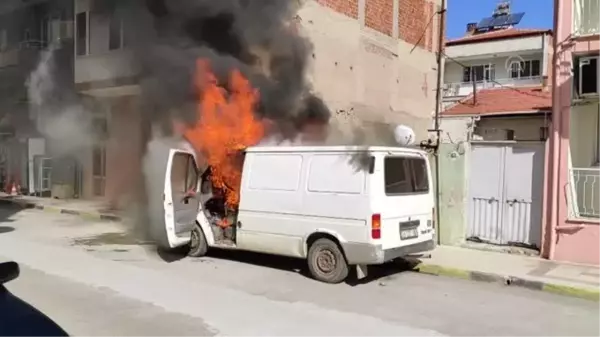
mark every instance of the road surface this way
{"type": "Point", "coordinates": [93, 280]}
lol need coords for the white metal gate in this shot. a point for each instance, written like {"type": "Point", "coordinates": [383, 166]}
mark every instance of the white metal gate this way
{"type": "Point", "coordinates": [505, 193]}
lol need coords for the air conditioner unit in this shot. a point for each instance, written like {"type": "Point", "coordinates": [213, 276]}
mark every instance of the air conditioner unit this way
{"type": "Point", "coordinates": [588, 76]}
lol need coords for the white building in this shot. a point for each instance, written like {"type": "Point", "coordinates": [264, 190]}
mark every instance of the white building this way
{"type": "Point", "coordinates": [495, 125]}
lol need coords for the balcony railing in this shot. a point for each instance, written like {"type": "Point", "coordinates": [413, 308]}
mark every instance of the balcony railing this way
{"type": "Point", "coordinates": [466, 88]}
{"type": "Point", "coordinates": [584, 193]}
{"type": "Point", "coordinates": [586, 17]}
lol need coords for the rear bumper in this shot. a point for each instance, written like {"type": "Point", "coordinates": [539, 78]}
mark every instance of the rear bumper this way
{"type": "Point", "coordinates": [361, 253]}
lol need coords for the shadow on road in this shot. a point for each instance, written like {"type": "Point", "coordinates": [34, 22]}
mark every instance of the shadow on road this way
{"type": "Point", "coordinates": [299, 266]}
{"type": "Point", "coordinates": [7, 210]}
{"type": "Point", "coordinates": [6, 229]}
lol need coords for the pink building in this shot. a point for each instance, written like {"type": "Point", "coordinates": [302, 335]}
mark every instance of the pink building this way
{"type": "Point", "coordinates": [573, 209]}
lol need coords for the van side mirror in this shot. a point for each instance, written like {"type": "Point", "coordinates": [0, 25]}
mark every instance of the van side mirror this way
{"type": "Point", "coordinates": [9, 271]}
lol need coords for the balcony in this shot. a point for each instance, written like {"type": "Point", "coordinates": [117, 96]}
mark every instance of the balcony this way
{"type": "Point", "coordinates": [586, 17]}
{"type": "Point", "coordinates": [584, 193]}
{"type": "Point", "coordinates": [461, 89]}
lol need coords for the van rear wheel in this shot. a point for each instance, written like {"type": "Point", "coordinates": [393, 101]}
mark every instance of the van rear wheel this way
{"type": "Point", "coordinates": [198, 244]}
{"type": "Point", "coordinates": [326, 261]}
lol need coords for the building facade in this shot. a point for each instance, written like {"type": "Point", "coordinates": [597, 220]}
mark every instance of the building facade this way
{"type": "Point", "coordinates": [495, 122]}
{"type": "Point", "coordinates": [373, 62]}
{"type": "Point", "coordinates": [27, 30]}
{"type": "Point", "coordinates": [573, 211]}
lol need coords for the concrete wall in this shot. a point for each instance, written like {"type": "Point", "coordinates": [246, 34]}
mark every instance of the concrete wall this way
{"type": "Point", "coordinates": [567, 239]}
{"type": "Point", "coordinates": [453, 155]}
{"type": "Point", "coordinates": [364, 61]}
{"type": "Point", "coordinates": [526, 128]}
{"type": "Point", "coordinates": [453, 192]}
{"type": "Point", "coordinates": [123, 147]}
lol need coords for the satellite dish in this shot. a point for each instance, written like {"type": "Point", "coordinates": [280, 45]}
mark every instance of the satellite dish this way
{"type": "Point", "coordinates": [404, 135]}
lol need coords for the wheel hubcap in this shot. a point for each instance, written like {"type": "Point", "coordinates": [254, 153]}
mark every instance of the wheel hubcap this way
{"type": "Point", "coordinates": [326, 261]}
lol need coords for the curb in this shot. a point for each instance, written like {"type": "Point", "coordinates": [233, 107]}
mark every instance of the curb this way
{"type": "Point", "coordinates": [53, 209]}
{"type": "Point", "coordinates": [507, 280]}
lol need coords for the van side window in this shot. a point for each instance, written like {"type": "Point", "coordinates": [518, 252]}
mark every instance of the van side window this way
{"type": "Point", "coordinates": [183, 173]}
{"type": "Point", "coordinates": [275, 172]}
{"type": "Point", "coordinates": [405, 175]}
{"type": "Point", "coordinates": [333, 174]}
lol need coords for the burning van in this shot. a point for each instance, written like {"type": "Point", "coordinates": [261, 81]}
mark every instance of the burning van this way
{"type": "Point", "coordinates": [317, 203]}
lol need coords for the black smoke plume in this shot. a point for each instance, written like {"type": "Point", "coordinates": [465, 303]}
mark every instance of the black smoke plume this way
{"type": "Point", "coordinates": [257, 37]}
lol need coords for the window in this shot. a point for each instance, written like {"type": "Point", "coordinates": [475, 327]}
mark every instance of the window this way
{"type": "Point", "coordinates": [100, 128]}
{"type": "Point", "coordinates": [587, 78]}
{"type": "Point", "coordinates": [99, 169]}
{"type": "Point", "coordinates": [275, 172]}
{"type": "Point", "coordinates": [405, 175]}
{"type": "Point", "coordinates": [45, 32]}
{"type": "Point", "coordinates": [334, 174]}
{"type": "Point", "coordinates": [586, 17]}
{"type": "Point", "coordinates": [115, 34]}
{"type": "Point", "coordinates": [525, 69]}
{"type": "Point", "coordinates": [184, 176]}
{"type": "Point", "coordinates": [82, 33]}
{"type": "Point", "coordinates": [479, 73]}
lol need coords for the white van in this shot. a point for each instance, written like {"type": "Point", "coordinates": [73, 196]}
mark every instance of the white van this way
{"type": "Point", "coordinates": [335, 206]}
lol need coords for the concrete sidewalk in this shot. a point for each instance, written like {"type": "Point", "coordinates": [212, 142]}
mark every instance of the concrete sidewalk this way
{"type": "Point", "coordinates": [514, 270]}
{"type": "Point", "coordinates": [84, 208]}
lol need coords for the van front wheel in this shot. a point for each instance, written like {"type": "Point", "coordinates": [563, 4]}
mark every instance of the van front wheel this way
{"type": "Point", "coordinates": [326, 262]}
{"type": "Point", "coordinates": [198, 245]}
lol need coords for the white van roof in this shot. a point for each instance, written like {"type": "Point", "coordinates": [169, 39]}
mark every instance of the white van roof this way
{"type": "Point", "coordinates": [334, 149]}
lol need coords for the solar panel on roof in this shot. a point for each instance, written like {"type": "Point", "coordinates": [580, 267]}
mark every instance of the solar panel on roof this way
{"type": "Point", "coordinates": [515, 18]}
{"type": "Point", "coordinates": [485, 23]}
{"type": "Point", "coordinates": [499, 21]}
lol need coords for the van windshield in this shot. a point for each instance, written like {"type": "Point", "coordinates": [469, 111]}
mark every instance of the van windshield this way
{"type": "Point", "coordinates": [405, 175]}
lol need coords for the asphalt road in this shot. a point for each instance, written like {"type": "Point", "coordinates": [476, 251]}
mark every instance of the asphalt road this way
{"type": "Point", "coordinates": [94, 281]}
{"type": "Point", "coordinates": [82, 310]}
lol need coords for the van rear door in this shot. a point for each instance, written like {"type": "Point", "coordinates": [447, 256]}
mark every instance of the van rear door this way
{"type": "Point", "coordinates": [406, 209]}
{"type": "Point", "coordinates": [181, 204]}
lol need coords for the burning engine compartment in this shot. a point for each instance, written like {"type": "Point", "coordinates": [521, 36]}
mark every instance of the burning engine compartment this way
{"type": "Point", "coordinates": [221, 218]}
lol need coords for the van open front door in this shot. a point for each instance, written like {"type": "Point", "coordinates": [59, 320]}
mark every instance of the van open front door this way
{"type": "Point", "coordinates": [181, 203]}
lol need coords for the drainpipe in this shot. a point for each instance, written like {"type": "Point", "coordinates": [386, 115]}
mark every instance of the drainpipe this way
{"type": "Point", "coordinates": [557, 126]}
{"type": "Point", "coordinates": [438, 98]}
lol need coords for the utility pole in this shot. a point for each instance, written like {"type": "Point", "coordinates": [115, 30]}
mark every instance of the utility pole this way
{"type": "Point", "coordinates": [438, 104]}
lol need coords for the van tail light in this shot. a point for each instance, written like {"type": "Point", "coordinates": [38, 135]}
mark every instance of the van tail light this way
{"type": "Point", "coordinates": [376, 226]}
{"type": "Point", "coordinates": [433, 217]}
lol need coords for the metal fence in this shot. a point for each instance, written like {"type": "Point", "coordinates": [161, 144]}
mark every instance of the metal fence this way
{"type": "Point", "coordinates": [584, 193]}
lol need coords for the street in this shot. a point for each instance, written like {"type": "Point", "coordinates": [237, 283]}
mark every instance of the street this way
{"type": "Point", "coordinates": [92, 280]}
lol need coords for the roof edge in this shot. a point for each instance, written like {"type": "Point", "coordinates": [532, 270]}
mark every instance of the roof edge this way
{"type": "Point", "coordinates": [465, 40]}
{"type": "Point", "coordinates": [500, 113]}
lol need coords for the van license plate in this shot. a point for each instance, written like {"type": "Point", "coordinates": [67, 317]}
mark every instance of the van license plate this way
{"type": "Point", "coordinates": [408, 233]}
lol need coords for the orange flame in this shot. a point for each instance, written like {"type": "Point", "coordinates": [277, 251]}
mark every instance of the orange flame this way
{"type": "Point", "coordinates": [226, 124]}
